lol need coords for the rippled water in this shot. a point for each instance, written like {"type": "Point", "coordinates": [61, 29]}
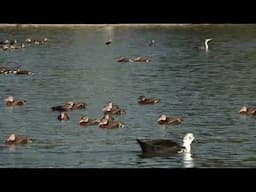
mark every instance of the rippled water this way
{"type": "Point", "coordinates": [206, 88]}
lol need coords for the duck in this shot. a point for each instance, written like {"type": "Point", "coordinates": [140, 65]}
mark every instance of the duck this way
{"type": "Point", "coordinates": [62, 108]}
{"type": "Point", "coordinates": [141, 59]}
{"type": "Point", "coordinates": [45, 40]}
{"type": "Point", "coordinates": [10, 102]}
{"type": "Point", "coordinates": [22, 72]}
{"type": "Point", "coordinates": [19, 46]}
{"type": "Point", "coordinates": [110, 106]}
{"type": "Point", "coordinates": [113, 109]}
{"type": "Point", "coordinates": [124, 59]}
{"type": "Point", "coordinates": [110, 124]}
{"type": "Point", "coordinates": [108, 42]}
{"type": "Point", "coordinates": [164, 120]}
{"type": "Point", "coordinates": [13, 139]}
{"type": "Point", "coordinates": [144, 101]}
{"type": "Point", "coordinates": [206, 47]}
{"type": "Point", "coordinates": [6, 41]}
{"type": "Point", "coordinates": [85, 121]}
{"type": "Point", "coordinates": [247, 111]}
{"type": "Point", "coordinates": [63, 116]}
{"type": "Point", "coordinates": [69, 106]}
{"type": "Point", "coordinates": [13, 42]}
{"type": "Point", "coordinates": [28, 40]}
{"type": "Point", "coordinates": [5, 47]}
{"type": "Point", "coordinates": [165, 146]}
{"type": "Point", "coordinates": [77, 105]}
{"type": "Point", "coordinates": [108, 117]}
{"type": "Point", "coordinates": [152, 43]}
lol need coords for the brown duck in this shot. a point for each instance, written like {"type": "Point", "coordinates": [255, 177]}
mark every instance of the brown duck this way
{"type": "Point", "coordinates": [78, 105]}
{"type": "Point", "coordinates": [10, 102]}
{"type": "Point", "coordinates": [85, 121]}
{"type": "Point", "coordinates": [164, 120]}
{"type": "Point", "coordinates": [247, 111]}
{"type": "Point", "coordinates": [69, 106]}
{"type": "Point", "coordinates": [63, 116]}
{"type": "Point", "coordinates": [113, 109]}
{"type": "Point", "coordinates": [141, 59]}
{"type": "Point", "coordinates": [124, 59]}
{"type": "Point", "coordinates": [145, 101]}
{"type": "Point", "coordinates": [110, 124]}
{"type": "Point", "coordinates": [108, 117]}
{"type": "Point", "coordinates": [13, 139]}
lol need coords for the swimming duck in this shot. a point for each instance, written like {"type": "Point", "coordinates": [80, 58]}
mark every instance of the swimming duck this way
{"type": "Point", "coordinates": [5, 47]}
{"type": "Point", "coordinates": [13, 42]}
{"type": "Point", "coordinates": [61, 108]}
{"type": "Point", "coordinates": [113, 109]}
{"type": "Point", "coordinates": [63, 116]}
{"type": "Point", "coordinates": [22, 72]}
{"type": "Point", "coordinates": [141, 59]}
{"type": "Point", "coordinates": [108, 117]}
{"type": "Point", "coordinates": [69, 106]}
{"type": "Point", "coordinates": [11, 102]}
{"type": "Point", "coordinates": [77, 105]}
{"type": "Point", "coordinates": [144, 101]}
{"type": "Point", "coordinates": [19, 46]}
{"type": "Point", "coordinates": [164, 120]}
{"type": "Point", "coordinates": [108, 42]}
{"type": "Point", "coordinates": [85, 121]}
{"type": "Point", "coordinates": [152, 43]}
{"type": "Point", "coordinates": [206, 47]}
{"type": "Point", "coordinates": [124, 59]}
{"type": "Point", "coordinates": [28, 40]}
{"type": "Point", "coordinates": [110, 124]}
{"type": "Point", "coordinates": [164, 146]}
{"type": "Point", "coordinates": [45, 40]}
{"type": "Point", "coordinates": [247, 111]}
{"type": "Point", "coordinates": [13, 139]}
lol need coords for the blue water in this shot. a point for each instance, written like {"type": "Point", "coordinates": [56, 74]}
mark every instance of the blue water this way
{"type": "Point", "coordinates": [207, 89]}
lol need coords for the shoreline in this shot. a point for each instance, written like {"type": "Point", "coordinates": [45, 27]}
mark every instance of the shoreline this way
{"type": "Point", "coordinates": [2, 25]}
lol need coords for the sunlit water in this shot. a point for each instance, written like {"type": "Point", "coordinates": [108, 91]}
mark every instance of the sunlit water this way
{"type": "Point", "coordinates": [206, 88]}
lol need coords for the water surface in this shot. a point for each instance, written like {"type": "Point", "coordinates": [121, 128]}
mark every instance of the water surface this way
{"type": "Point", "coordinates": [206, 88]}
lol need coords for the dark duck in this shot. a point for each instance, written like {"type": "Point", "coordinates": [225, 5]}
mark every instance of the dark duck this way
{"type": "Point", "coordinates": [165, 146]}
{"type": "Point", "coordinates": [69, 106]}
{"type": "Point", "coordinates": [145, 101]}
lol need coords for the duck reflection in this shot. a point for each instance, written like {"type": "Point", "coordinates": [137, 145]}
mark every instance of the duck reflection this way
{"type": "Point", "coordinates": [188, 161]}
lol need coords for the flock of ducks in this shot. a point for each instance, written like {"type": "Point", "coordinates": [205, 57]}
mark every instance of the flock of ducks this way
{"type": "Point", "coordinates": [108, 121]}
{"type": "Point", "coordinates": [15, 71]}
{"type": "Point", "coordinates": [15, 44]}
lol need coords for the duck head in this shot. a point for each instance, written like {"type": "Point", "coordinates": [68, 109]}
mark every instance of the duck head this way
{"type": "Point", "coordinates": [10, 99]}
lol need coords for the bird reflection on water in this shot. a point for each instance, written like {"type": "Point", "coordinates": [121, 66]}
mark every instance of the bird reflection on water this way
{"type": "Point", "coordinates": [188, 161]}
